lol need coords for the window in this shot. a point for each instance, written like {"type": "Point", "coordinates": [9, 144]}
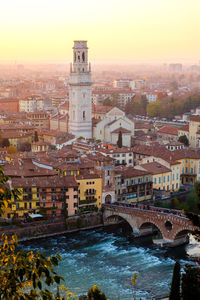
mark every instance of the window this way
{"type": "Point", "coordinates": [130, 161]}
{"type": "Point", "coordinates": [186, 170]}
{"type": "Point", "coordinates": [75, 196]}
{"type": "Point", "coordinates": [155, 180]}
{"type": "Point", "coordinates": [108, 173]}
{"type": "Point", "coordinates": [173, 177]}
{"type": "Point", "coordinates": [75, 204]}
{"type": "Point", "coordinates": [53, 197]}
{"type": "Point", "coordinates": [168, 178]}
{"type": "Point", "coordinates": [67, 197]}
{"type": "Point", "coordinates": [164, 179]}
{"type": "Point", "coordinates": [159, 179]}
{"type": "Point", "coordinates": [123, 155]}
{"type": "Point", "coordinates": [130, 154]}
{"type": "Point", "coordinates": [191, 170]}
{"type": "Point", "coordinates": [84, 115]}
{"type": "Point", "coordinates": [30, 205]}
{"type": "Point", "coordinates": [177, 176]}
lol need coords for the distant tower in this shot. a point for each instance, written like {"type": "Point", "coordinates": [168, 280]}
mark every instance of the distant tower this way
{"type": "Point", "coordinates": [80, 92]}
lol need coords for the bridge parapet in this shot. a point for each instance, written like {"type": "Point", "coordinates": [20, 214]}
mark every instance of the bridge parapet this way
{"type": "Point", "coordinates": [171, 223]}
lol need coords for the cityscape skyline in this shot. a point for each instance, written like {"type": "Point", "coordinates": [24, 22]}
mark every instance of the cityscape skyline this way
{"type": "Point", "coordinates": [137, 31]}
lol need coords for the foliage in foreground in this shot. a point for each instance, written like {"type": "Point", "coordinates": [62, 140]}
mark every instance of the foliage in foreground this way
{"type": "Point", "coordinates": [175, 286]}
{"type": "Point", "coordinates": [25, 275]}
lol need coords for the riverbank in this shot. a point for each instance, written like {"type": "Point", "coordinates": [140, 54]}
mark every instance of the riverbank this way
{"type": "Point", "coordinates": [56, 227]}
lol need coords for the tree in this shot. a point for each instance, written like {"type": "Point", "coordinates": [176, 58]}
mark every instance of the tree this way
{"type": "Point", "coordinates": [95, 294]}
{"type": "Point", "coordinates": [23, 274]}
{"type": "Point", "coordinates": [193, 207]}
{"type": "Point", "coordinates": [12, 149]}
{"type": "Point", "coordinates": [175, 285]}
{"type": "Point", "coordinates": [36, 139]}
{"type": "Point", "coordinates": [119, 141]}
{"type": "Point", "coordinates": [107, 102]}
{"type": "Point", "coordinates": [191, 282]}
{"type": "Point", "coordinates": [154, 109]}
{"type": "Point", "coordinates": [183, 139]}
{"type": "Point", "coordinates": [5, 142]}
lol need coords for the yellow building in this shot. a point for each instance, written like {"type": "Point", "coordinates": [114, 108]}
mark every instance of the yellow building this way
{"type": "Point", "coordinates": [164, 178]}
{"type": "Point", "coordinates": [90, 190]}
{"type": "Point", "coordinates": [27, 201]}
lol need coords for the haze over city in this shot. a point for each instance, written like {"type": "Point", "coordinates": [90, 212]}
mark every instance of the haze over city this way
{"type": "Point", "coordinates": [150, 31]}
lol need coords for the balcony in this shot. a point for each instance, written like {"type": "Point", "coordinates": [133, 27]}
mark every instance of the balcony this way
{"type": "Point", "coordinates": [90, 193]}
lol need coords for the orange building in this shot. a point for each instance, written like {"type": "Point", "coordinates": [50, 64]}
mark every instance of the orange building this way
{"type": "Point", "coordinates": [9, 104]}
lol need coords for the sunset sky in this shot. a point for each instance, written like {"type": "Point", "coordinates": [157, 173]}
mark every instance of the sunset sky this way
{"type": "Point", "coordinates": [116, 30]}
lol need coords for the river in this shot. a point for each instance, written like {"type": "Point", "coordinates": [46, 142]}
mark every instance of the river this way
{"type": "Point", "coordinates": [108, 258]}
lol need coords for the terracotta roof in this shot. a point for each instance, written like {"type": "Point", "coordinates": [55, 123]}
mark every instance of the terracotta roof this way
{"type": "Point", "coordinates": [123, 130]}
{"type": "Point", "coordinates": [46, 182]}
{"type": "Point", "coordinates": [184, 128]}
{"type": "Point", "coordinates": [155, 168]}
{"type": "Point", "coordinates": [101, 108]}
{"type": "Point", "coordinates": [195, 118]}
{"type": "Point", "coordinates": [127, 172]}
{"type": "Point", "coordinates": [169, 130]}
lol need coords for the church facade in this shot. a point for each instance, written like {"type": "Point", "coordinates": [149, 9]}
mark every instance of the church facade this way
{"type": "Point", "coordinates": [108, 129]}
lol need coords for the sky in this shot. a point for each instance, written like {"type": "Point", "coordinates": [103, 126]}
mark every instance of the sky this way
{"type": "Point", "coordinates": [118, 31]}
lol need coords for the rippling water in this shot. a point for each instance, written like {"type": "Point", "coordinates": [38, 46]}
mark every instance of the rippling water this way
{"type": "Point", "coordinates": [109, 259]}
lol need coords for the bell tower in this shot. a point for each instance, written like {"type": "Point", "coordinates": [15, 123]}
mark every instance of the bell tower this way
{"type": "Point", "coordinates": [80, 92]}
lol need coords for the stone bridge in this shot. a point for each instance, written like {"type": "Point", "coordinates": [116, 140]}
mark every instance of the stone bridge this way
{"type": "Point", "coordinates": [143, 219]}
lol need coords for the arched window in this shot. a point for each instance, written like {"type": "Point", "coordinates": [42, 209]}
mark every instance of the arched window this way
{"type": "Point", "coordinates": [74, 56]}
{"type": "Point", "coordinates": [84, 115]}
{"type": "Point", "coordinates": [83, 57]}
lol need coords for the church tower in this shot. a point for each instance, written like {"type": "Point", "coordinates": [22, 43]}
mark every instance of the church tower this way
{"type": "Point", "coordinates": [80, 92]}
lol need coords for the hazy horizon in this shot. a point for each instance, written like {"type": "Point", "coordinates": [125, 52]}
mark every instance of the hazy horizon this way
{"type": "Point", "coordinates": [118, 32]}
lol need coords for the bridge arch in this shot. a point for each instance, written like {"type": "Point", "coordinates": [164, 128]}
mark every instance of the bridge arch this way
{"type": "Point", "coordinates": [181, 234]}
{"type": "Point", "coordinates": [116, 219]}
{"type": "Point", "coordinates": [149, 227]}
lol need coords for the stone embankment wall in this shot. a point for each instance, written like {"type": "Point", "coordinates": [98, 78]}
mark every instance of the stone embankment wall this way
{"type": "Point", "coordinates": [54, 227]}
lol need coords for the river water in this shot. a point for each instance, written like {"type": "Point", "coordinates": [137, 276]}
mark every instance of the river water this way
{"type": "Point", "coordinates": [108, 259]}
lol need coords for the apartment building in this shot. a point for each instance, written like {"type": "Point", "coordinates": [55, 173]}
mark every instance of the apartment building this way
{"type": "Point", "coordinates": [133, 185]}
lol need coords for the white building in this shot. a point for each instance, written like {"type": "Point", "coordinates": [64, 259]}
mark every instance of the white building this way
{"type": "Point", "coordinates": [108, 129]}
{"type": "Point", "coordinates": [31, 104]}
{"type": "Point", "coordinates": [80, 92]}
{"type": "Point", "coordinates": [121, 83]}
{"type": "Point", "coordinates": [137, 84]}
{"type": "Point", "coordinates": [121, 96]}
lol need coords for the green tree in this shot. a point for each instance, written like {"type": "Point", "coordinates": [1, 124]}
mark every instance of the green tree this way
{"type": "Point", "coordinates": [154, 109]}
{"type": "Point", "coordinates": [119, 141]}
{"type": "Point", "coordinates": [183, 139]}
{"type": "Point", "coordinates": [175, 285]}
{"type": "Point", "coordinates": [36, 139]}
{"type": "Point", "coordinates": [5, 142]}
{"type": "Point", "coordinates": [191, 282]}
